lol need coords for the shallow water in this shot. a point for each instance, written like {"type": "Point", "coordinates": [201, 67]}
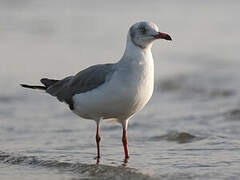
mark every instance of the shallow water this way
{"type": "Point", "coordinates": [189, 129]}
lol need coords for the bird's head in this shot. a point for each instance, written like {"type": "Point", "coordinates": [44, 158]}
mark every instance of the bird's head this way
{"type": "Point", "coordinates": [142, 34]}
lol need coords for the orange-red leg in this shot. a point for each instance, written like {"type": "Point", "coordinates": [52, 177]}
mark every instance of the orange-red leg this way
{"type": "Point", "coordinates": [125, 144]}
{"type": "Point", "coordinates": [98, 139]}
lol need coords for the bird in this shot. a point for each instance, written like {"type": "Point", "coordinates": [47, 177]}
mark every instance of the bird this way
{"type": "Point", "coordinates": [114, 90]}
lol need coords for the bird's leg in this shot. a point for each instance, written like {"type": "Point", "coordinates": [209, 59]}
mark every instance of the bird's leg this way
{"type": "Point", "coordinates": [125, 144]}
{"type": "Point", "coordinates": [98, 139]}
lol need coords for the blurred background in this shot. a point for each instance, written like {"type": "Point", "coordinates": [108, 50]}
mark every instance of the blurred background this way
{"type": "Point", "coordinates": [57, 38]}
{"type": "Point", "coordinates": [193, 118]}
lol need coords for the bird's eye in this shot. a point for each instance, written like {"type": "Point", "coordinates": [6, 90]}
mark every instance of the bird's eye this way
{"type": "Point", "coordinates": [142, 29]}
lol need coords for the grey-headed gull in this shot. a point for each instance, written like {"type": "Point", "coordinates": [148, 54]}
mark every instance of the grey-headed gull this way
{"type": "Point", "coordinates": [112, 91]}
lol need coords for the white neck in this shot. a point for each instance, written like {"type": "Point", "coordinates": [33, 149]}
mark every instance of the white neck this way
{"type": "Point", "coordinates": [133, 52]}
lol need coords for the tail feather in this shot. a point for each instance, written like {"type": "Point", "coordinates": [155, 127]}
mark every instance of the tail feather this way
{"type": "Point", "coordinates": [48, 82]}
{"type": "Point", "coordinates": [33, 87]}
{"type": "Point", "coordinates": [45, 81]}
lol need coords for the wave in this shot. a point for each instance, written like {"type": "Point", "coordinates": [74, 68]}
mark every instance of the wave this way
{"type": "Point", "coordinates": [180, 137]}
{"type": "Point", "coordinates": [194, 85]}
{"type": "Point", "coordinates": [92, 171]}
{"type": "Point", "coordinates": [232, 115]}
{"type": "Point", "coordinates": [9, 98]}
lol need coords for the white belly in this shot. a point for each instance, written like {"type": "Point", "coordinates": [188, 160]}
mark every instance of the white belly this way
{"type": "Point", "coordinates": [125, 94]}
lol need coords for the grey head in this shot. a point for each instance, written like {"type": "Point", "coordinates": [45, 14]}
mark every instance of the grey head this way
{"type": "Point", "coordinates": [142, 34]}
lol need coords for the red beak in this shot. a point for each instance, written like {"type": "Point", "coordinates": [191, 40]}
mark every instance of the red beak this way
{"type": "Point", "coordinates": [162, 36]}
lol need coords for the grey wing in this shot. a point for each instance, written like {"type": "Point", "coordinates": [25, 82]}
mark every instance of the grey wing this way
{"type": "Point", "coordinates": [86, 80]}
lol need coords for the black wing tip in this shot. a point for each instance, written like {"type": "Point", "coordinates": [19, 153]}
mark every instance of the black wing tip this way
{"type": "Point", "coordinates": [33, 87]}
{"type": "Point", "coordinates": [24, 85]}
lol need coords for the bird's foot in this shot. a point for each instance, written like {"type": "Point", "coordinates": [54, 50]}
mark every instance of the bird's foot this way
{"type": "Point", "coordinates": [97, 159]}
{"type": "Point", "coordinates": [125, 161]}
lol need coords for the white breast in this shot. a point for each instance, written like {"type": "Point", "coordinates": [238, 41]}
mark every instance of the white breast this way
{"type": "Point", "coordinates": [129, 89]}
